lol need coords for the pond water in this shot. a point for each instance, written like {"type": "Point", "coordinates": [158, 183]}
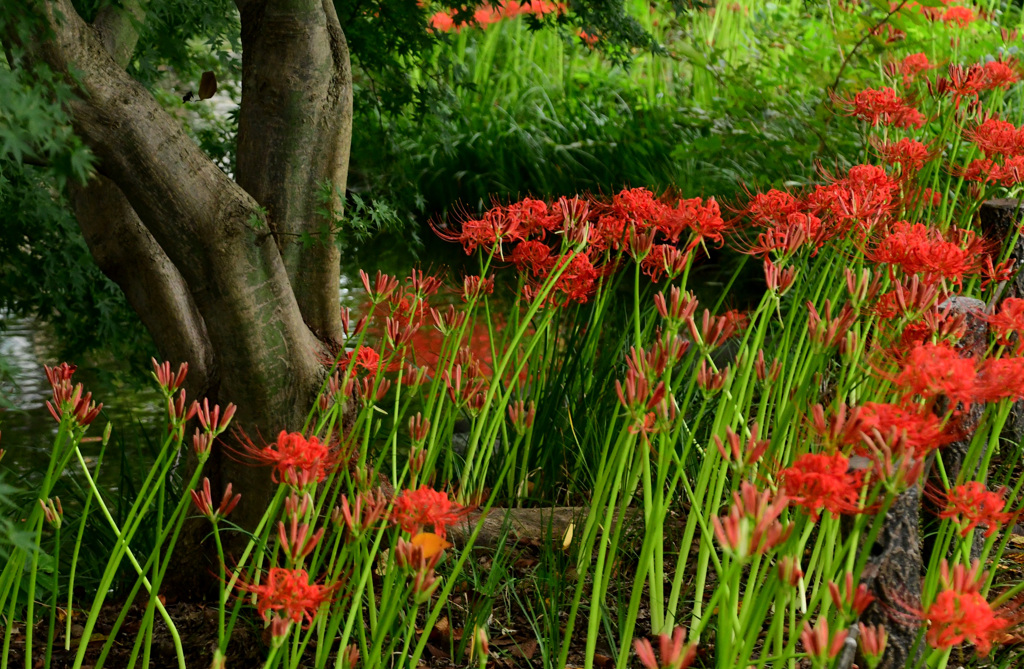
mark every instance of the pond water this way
{"type": "Point", "coordinates": [28, 430]}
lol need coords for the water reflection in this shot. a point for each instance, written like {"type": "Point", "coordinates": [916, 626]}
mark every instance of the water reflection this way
{"type": "Point", "coordinates": [135, 410]}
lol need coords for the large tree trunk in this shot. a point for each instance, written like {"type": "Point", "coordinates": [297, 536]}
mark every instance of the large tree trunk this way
{"type": "Point", "coordinates": [217, 270]}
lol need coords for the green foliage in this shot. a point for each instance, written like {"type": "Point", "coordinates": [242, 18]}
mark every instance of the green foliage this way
{"type": "Point", "coordinates": [46, 271]}
{"type": "Point", "coordinates": [34, 126]}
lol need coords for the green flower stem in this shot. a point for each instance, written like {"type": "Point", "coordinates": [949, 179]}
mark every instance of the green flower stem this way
{"type": "Point", "coordinates": [30, 614]}
{"type": "Point", "coordinates": [122, 550]}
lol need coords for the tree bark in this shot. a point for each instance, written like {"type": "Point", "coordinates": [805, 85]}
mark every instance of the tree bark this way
{"type": "Point", "coordinates": [131, 258]}
{"type": "Point", "coordinates": [294, 140]}
{"type": "Point", "coordinates": [212, 232]}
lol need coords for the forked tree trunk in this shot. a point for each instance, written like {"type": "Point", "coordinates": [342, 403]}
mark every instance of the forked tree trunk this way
{"type": "Point", "coordinates": [216, 269]}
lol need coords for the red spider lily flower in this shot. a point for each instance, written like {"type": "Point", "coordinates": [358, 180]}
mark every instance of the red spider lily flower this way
{"type": "Point", "coordinates": [475, 287]}
{"type": "Point", "coordinates": [1004, 271]}
{"type": "Point", "coordinates": [916, 248]}
{"type": "Point", "coordinates": [817, 641]}
{"type": "Point", "coordinates": [489, 233]}
{"type": "Point", "coordinates": [169, 382]}
{"type": "Point", "coordinates": [289, 594]}
{"type": "Point", "coordinates": [67, 399]}
{"type": "Point", "coordinates": [411, 555]}
{"type": "Point", "coordinates": [752, 526]}
{"type": "Point", "coordinates": [211, 420]}
{"type": "Point", "coordinates": [704, 220]}
{"type": "Point", "coordinates": [739, 453]}
{"type": "Point", "coordinates": [881, 105]}
{"type": "Point", "coordinates": [972, 504]}
{"type": "Point", "coordinates": [829, 331]}
{"type": "Point", "coordinates": [204, 502]}
{"type": "Point", "coordinates": [778, 280]}
{"type": "Point", "coordinates": [872, 643]}
{"type": "Point", "coordinates": [1009, 321]}
{"type": "Point", "coordinates": [981, 170]}
{"type": "Point", "coordinates": [913, 65]}
{"type": "Point", "coordinates": [367, 510]}
{"type": "Point", "coordinates": [856, 599]}
{"type": "Point", "coordinates": [931, 370]}
{"type": "Point", "coordinates": [864, 197]}
{"type": "Point", "coordinates": [675, 654]}
{"type": "Point", "coordinates": [521, 415]}
{"type": "Point", "coordinates": [365, 359]}
{"type": "Point", "coordinates": [533, 257]}
{"type": "Point", "coordinates": [771, 208]}
{"type": "Point", "coordinates": [999, 379]}
{"type": "Point", "coordinates": [710, 381]}
{"type": "Point", "coordinates": [424, 285]}
{"type": "Point", "coordinates": [960, 83]}
{"type": "Point", "coordinates": [909, 153]}
{"type": "Point", "coordinates": [921, 430]}
{"type": "Point", "coordinates": [960, 613]}
{"type": "Point", "coordinates": [59, 374]}
{"type": "Point", "coordinates": [766, 372]}
{"type": "Point", "coordinates": [382, 287]}
{"type": "Point", "coordinates": [415, 509]}
{"type": "Point", "coordinates": [577, 282]}
{"type": "Point", "coordinates": [678, 308]}
{"type": "Point", "coordinates": [995, 137]}
{"type": "Point", "coordinates": [998, 74]}
{"type": "Point", "coordinates": [959, 16]}
{"type": "Point", "coordinates": [818, 481]}
{"type": "Point", "coordinates": [292, 456]}
{"type": "Point", "coordinates": [665, 259]}
{"type": "Point", "coordinates": [296, 540]}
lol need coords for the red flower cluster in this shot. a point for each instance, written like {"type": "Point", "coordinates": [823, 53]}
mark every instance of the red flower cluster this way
{"type": "Point", "coordinates": [960, 613]}
{"type": "Point", "coordinates": [921, 431]}
{"type": "Point", "coordinates": [931, 370]}
{"type": "Point", "coordinates": [67, 398]}
{"type": "Point", "coordinates": [415, 509]}
{"type": "Point", "coordinates": [488, 14]}
{"type": "Point", "coordinates": [752, 526]}
{"type": "Point", "coordinates": [289, 594]}
{"type": "Point", "coordinates": [296, 459]}
{"type": "Point", "coordinates": [881, 105]}
{"type": "Point", "coordinates": [972, 504]}
{"type": "Point", "coordinates": [818, 481]}
{"type": "Point", "coordinates": [1008, 323]}
{"type": "Point", "coordinates": [913, 65]}
{"type": "Point", "coordinates": [909, 153]}
{"type": "Point", "coordinates": [918, 249]}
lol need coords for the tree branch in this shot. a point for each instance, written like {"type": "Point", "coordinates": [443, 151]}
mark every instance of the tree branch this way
{"type": "Point", "coordinates": [128, 254]}
{"type": "Point", "coordinates": [118, 28]}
